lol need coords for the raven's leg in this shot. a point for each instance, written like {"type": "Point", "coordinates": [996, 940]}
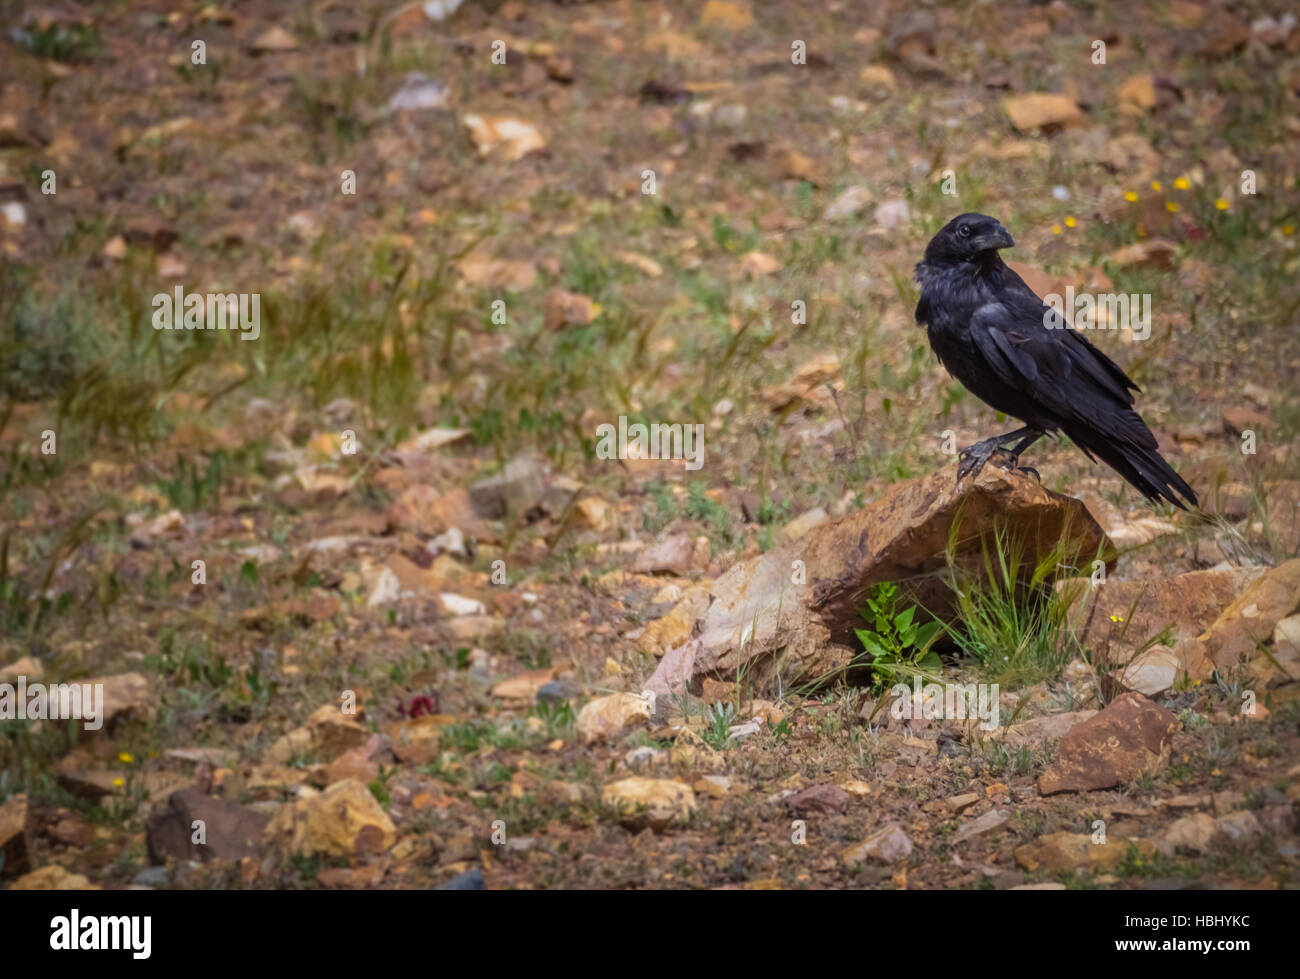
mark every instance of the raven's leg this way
{"type": "Point", "coordinates": [1021, 446]}
{"type": "Point", "coordinates": [973, 457]}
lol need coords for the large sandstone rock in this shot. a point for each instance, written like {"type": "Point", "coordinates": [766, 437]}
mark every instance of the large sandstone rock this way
{"type": "Point", "coordinates": [1253, 616]}
{"type": "Point", "coordinates": [801, 599]}
{"type": "Point", "coordinates": [1128, 739]}
{"type": "Point", "coordinates": [1117, 618]}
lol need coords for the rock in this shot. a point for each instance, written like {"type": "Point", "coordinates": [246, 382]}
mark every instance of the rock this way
{"type": "Point", "coordinates": [1278, 820]}
{"type": "Point", "coordinates": [1128, 739]}
{"type": "Point", "coordinates": [451, 604]}
{"type": "Point", "coordinates": [126, 695]}
{"type": "Point", "coordinates": [1239, 826]}
{"type": "Point", "coordinates": [525, 686]}
{"type": "Point", "coordinates": [1154, 254]}
{"type": "Point", "coordinates": [418, 93]}
{"type": "Point", "coordinates": [960, 803]}
{"type": "Point", "coordinates": [1272, 32]}
{"type": "Point", "coordinates": [512, 138]}
{"type": "Point", "coordinates": [645, 757]}
{"type": "Point", "coordinates": [515, 491]}
{"type": "Point", "coordinates": [756, 264]}
{"type": "Point", "coordinates": [421, 510]}
{"type": "Point", "coordinates": [557, 692]}
{"type": "Point", "coordinates": [887, 845]}
{"type": "Point", "coordinates": [569, 309]}
{"type": "Point", "coordinates": [1138, 93]}
{"type": "Point", "coordinates": [726, 14]}
{"type": "Point", "coordinates": [891, 214]}
{"type": "Point", "coordinates": [229, 831]}
{"type": "Point", "coordinates": [676, 554]}
{"type": "Point", "coordinates": [70, 829]}
{"type": "Point", "coordinates": [28, 666]}
{"type": "Point", "coordinates": [674, 628]}
{"type": "Point", "coordinates": [1118, 618]}
{"type": "Point", "coordinates": [430, 441]}
{"type": "Point", "coordinates": [803, 523]}
{"type": "Point", "coordinates": [757, 610]}
{"type": "Point", "coordinates": [611, 716]}
{"type": "Point", "coordinates": [1194, 833]}
{"type": "Point", "coordinates": [1037, 110]}
{"type": "Point", "coordinates": [151, 877]}
{"type": "Point", "coordinates": [1223, 35]}
{"type": "Point", "coordinates": [486, 271]}
{"type": "Point", "coordinates": [1074, 851]}
{"type": "Point", "coordinates": [819, 798]}
{"type": "Point", "coordinates": [344, 821]}
{"type": "Point", "coordinates": [274, 39]}
{"type": "Point", "coordinates": [793, 165]}
{"type": "Point", "coordinates": [469, 628]}
{"type": "Point", "coordinates": [1151, 672]}
{"type": "Point", "coordinates": [989, 821]}
{"type": "Point", "coordinates": [877, 78]}
{"type": "Point", "coordinates": [469, 880]}
{"type": "Point", "coordinates": [326, 735]}
{"type": "Point", "coordinates": [690, 751]}
{"type": "Point", "coordinates": [717, 786]}
{"type": "Point", "coordinates": [52, 878]}
{"type": "Point", "coordinates": [15, 837]}
{"type": "Point", "coordinates": [847, 204]}
{"type": "Point", "coordinates": [654, 802]}
{"type": "Point", "coordinates": [1253, 615]}
{"type": "Point", "coordinates": [1037, 730]}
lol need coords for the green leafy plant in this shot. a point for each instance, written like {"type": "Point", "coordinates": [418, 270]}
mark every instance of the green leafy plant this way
{"type": "Point", "coordinates": [899, 646]}
{"type": "Point", "coordinates": [717, 734]}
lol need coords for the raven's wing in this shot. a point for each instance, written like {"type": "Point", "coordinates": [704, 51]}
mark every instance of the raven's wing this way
{"type": "Point", "coordinates": [1096, 364]}
{"type": "Point", "coordinates": [1073, 383]}
{"type": "Point", "coordinates": [1069, 380]}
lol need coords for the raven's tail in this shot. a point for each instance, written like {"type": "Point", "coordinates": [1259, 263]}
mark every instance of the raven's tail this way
{"type": "Point", "coordinates": [1142, 466]}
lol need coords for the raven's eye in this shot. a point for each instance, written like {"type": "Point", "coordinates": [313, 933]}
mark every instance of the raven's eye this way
{"type": "Point", "coordinates": [964, 230]}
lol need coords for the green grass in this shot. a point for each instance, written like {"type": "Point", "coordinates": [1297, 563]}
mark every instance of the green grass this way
{"type": "Point", "coordinates": [1008, 619]}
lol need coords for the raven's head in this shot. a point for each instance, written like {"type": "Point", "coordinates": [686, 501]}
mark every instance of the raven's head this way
{"type": "Point", "coordinates": [965, 238]}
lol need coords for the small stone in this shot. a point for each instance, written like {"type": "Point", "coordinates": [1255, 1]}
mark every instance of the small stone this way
{"type": "Point", "coordinates": [960, 803]}
{"type": "Point", "coordinates": [892, 214]}
{"type": "Point", "coordinates": [991, 820]}
{"type": "Point", "coordinates": [611, 716]}
{"type": "Point", "coordinates": [887, 845]}
{"type": "Point", "coordinates": [343, 821]}
{"type": "Point", "coordinates": [514, 491]}
{"type": "Point", "coordinates": [847, 204]}
{"type": "Point", "coordinates": [819, 798]}
{"type": "Point", "coordinates": [275, 39]}
{"type": "Point", "coordinates": [653, 802]}
{"type": "Point", "coordinates": [469, 880]}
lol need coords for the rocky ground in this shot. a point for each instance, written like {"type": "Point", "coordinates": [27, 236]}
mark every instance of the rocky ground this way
{"type": "Point", "coordinates": [371, 606]}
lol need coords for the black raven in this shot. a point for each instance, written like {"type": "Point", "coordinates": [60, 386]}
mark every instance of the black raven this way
{"type": "Point", "coordinates": [992, 333]}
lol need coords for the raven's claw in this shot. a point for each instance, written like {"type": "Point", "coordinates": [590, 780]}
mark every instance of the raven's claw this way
{"type": "Point", "coordinates": [975, 457]}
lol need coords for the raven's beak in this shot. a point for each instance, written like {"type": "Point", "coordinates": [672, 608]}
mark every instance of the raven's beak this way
{"type": "Point", "coordinates": [998, 238]}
